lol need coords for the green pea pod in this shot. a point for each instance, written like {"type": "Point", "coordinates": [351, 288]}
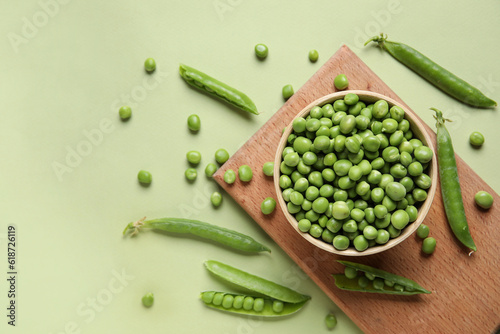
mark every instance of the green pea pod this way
{"type": "Point", "coordinates": [434, 73]}
{"type": "Point", "coordinates": [269, 308]}
{"type": "Point", "coordinates": [204, 230]}
{"type": "Point", "coordinates": [410, 287]}
{"type": "Point", "coordinates": [450, 184]}
{"type": "Point", "coordinates": [255, 283]}
{"type": "Point", "coordinates": [217, 89]}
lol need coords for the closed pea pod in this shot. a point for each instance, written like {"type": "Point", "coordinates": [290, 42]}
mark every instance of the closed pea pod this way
{"type": "Point", "coordinates": [201, 229]}
{"type": "Point", "coordinates": [434, 73]}
{"type": "Point", "coordinates": [450, 184]}
{"type": "Point", "coordinates": [217, 89]}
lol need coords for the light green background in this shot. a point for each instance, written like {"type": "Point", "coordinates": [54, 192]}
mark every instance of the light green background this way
{"type": "Point", "coordinates": [66, 67]}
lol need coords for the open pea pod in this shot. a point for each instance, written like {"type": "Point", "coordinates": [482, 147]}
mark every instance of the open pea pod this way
{"type": "Point", "coordinates": [255, 283]}
{"type": "Point", "coordinates": [410, 287]}
{"type": "Point", "coordinates": [217, 89]}
{"type": "Point", "coordinates": [267, 307]}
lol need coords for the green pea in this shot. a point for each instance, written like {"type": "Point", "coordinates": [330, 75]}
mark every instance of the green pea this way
{"type": "Point", "coordinates": [370, 215]}
{"type": "Point", "coordinates": [382, 237]}
{"type": "Point", "coordinates": [351, 99]}
{"type": "Point", "coordinates": [221, 156]}
{"type": "Point", "coordinates": [191, 174]}
{"type": "Point", "coordinates": [227, 301]}
{"type": "Point", "coordinates": [378, 283]}
{"type": "Point", "coordinates": [313, 56]}
{"type": "Point", "coordinates": [423, 231]}
{"type": "Point", "coordinates": [390, 125]}
{"type": "Point", "coordinates": [415, 168]}
{"type": "Point", "coordinates": [476, 139]}
{"type": "Point", "coordinates": [423, 181]}
{"type": "Point", "coordinates": [315, 178]}
{"type": "Point", "coordinates": [352, 144]}
{"type": "Point", "coordinates": [423, 154]}
{"type": "Point", "coordinates": [355, 173]}
{"type": "Point", "coordinates": [483, 199]}
{"type": "Point", "coordinates": [150, 64]}
{"type": "Point", "coordinates": [296, 198]}
{"type": "Point", "coordinates": [238, 302]}
{"type": "Point", "coordinates": [405, 158]}
{"type": "Point", "coordinates": [326, 190]}
{"type": "Point", "coordinates": [378, 163]}
{"type": "Point", "coordinates": [302, 144]}
{"type": "Point", "coordinates": [398, 170]}
{"type": "Point", "coordinates": [328, 174]}
{"type": "Point", "coordinates": [429, 245]}
{"type": "Point", "coordinates": [258, 304]}
{"type": "Point", "coordinates": [320, 205]}
{"type": "Point", "coordinates": [315, 230]}
{"type": "Point", "coordinates": [287, 91]}
{"type": "Point", "coordinates": [194, 122]}
{"type": "Point", "coordinates": [330, 321]}
{"type": "Point", "coordinates": [148, 299]}
{"type": "Point", "coordinates": [393, 232]}
{"type": "Point", "coordinates": [411, 211]}
{"type": "Point", "coordinates": [230, 176]}
{"type": "Point", "coordinates": [144, 177]}
{"type": "Point", "coordinates": [360, 243]}
{"type": "Point", "coordinates": [380, 109]}
{"type": "Point", "coordinates": [261, 51]}
{"type": "Point", "coordinates": [302, 168]}
{"type": "Point", "coordinates": [405, 146]}
{"type": "Point", "coordinates": [268, 168]}
{"type": "Point", "coordinates": [299, 124]}
{"type": "Point", "coordinates": [193, 157]}
{"type": "Point", "coordinates": [207, 297]}
{"type": "Point", "coordinates": [312, 193]}
{"type": "Point", "coordinates": [395, 190]}
{"type": "Point", "coordinates": [363, 281]}
{"type": "Point", "coordinates": [342, 167]}
{"type": "Point", "coordinates": [321, 142]}
{"type": "Point", "coordinates": [350, 272]}
{"type": "Point", "coordinates": [341, 242]}
{"type": "Point", "coordinates": [400, 219]}
{"type": "Point", "coordinates": [380, 211]}
{"type": "Point", "coordinates": [316, 112]}
{"type": "Point", "coordinates": [286, 194]}
{"type": "Point", "coordinates": [390, 154]}
{"type": "Point", "coordinates": [248, 303]}
{"type": "Point", "coordinates": [397, 113]}
{"type": "Point", "coordinates": [304, 225]}
{"type": "Point", "coordinates": [125, 112]}
{"type": "Point", "coordinates": [284, 169]}
{"type": "Point", "coordinates": [278, 306]}
{"type": "Point", "coordinates": [216, 198]}
{"type": "Point", "coordinates": [370, 232]}
{"type": "Point", "coordinates": [340, 82]}
{"type": "Point", "coordinates": [245, 173]}
{"type": "Point", "coordinates": [396, 138]}
{"type": "Point", "coordinates": [218, 298]}
{"type": "Point", "coordinates": [419, 195]}
{"type": "Point", "coordinates": [210, 169]}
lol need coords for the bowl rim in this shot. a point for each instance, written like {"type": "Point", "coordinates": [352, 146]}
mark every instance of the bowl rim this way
{"type": "Point", "coordinates": [419, 132]}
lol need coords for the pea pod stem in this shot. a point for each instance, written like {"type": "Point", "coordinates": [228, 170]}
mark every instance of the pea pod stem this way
{"type": "Point", "coordinates": [434, 73]}
{"type": "Point", "coordinates": [217, 88]}
{"type": "Point", "coordinates": [201, 229]}
{"type": "Point", "coordinates": [450, 184]}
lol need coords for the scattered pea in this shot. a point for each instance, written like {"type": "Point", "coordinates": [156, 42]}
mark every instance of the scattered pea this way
{"type": "Point", "coordinates": [261, 51]}
{"type": "Point", "coordinates": [191, 174]}
{"type": "Point", "coordinates": [148, 299]}
{"type": "Point", "coordinates": [268, 168]}
{"type": "Point", "coordinates": [330, 321]}
{"type": "Point", "coordinates": [341, 82]}
{"type": "Point", "coordinates": [313, 56]}
{"type": "Point", "coordinates": [144, 177]}
{"type": "Point", "coordinates": [268, 205]}
{"type": "Point", "coordinates": [125, 112]}
{"type": "Point", "coordinates": [429, 245]}
{"type": "Point", "coordinates": [229, 176]}
{"type": "Point", "coordinates": [216, 198]}
{"type": "Point", "coordinates": [150, 64]}
{"type": "Point", "coordinates": [476, 139]}
{"type": "Point", "coordinates": [483, 199]}
{"type": "Point", "coordinates": [423, 231]}
{"type": "Point", "coordinates": [287, 91]}
{"type": "Point", "coordinates": [194, 122]}
{"type": "Point", "coordinates": [193, 157]}
{"type": "Point", "coordinates": [221, 156]}
{"type": "Point", "coordinates": [210, 169]}
{"type": "Point", "coordinates": [245, 173]}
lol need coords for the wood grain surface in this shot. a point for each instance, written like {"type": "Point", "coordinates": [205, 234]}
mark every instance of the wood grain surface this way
{"type": "Point", "coordinates": [465, 289]}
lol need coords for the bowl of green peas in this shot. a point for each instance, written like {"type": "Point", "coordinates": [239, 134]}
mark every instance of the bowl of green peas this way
{"type": "Point", "coordinates": [355, 173]}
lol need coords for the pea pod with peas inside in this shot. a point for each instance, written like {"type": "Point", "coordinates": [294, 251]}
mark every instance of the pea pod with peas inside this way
{"type": "Point", "coordinates": [268, 299]}
{"type": "Point", "coordinates": [217, 89]}
{"type": "Point", "coordinates": [450, 184]}
{"type": "Point", "coordinates": [201, 229]}
{"type": "Point", "coordinates": [434, 73]}
{"type": "Point", "coordinates": [249, 305]}
{"type": "Point", "coordinates": [375, 280]}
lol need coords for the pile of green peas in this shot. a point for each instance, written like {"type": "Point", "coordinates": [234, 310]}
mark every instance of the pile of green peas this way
{"type": "Point", "coordinates": [352, 174]}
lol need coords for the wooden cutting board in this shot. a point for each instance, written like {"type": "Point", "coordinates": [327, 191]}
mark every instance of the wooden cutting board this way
{"type": "Point", "coordinates": [465, 289]}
